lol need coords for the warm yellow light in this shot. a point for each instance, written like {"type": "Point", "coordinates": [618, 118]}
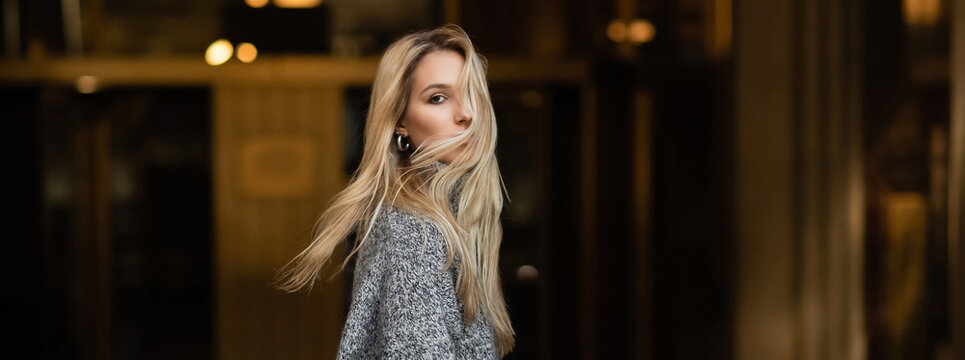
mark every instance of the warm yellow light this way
{"type": "Point", "coordinates": [86, 84]}
{"type": "Point", "coordinates": [218, 52]}
{"type": "Point", "coordinates": [247, 52]}
{"type": "Point", "coordinates": [297, 4]}
{"type": "Point", "coordinates": [640, 31]}
{"type": "Point", "coordinates": [256, 3]}
{"type": "Point", "coordinates": [921, 12]}
{"type": "Point", "coordinates": [617, 31]}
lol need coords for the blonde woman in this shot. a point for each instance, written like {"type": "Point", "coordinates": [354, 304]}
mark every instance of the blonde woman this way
{"type": "Point", "coordinates": [425, 205]}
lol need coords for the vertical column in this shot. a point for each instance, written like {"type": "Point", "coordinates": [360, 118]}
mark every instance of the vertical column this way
{"type": "Point", "coordinates": [956, 182]}
{"type": "Point", "coordinates": [829, 182]}
{"type": "Point", "coordinates": [765, 303]}
{"type": "Point", "coordinates": [588, 230]}
{"type": "Point", "coordinates": [799, 178]}
{"type": "Point", "coordinates": [278, 160]}
{"type": "Point", "coordinates": [92, 262]}
{"type": "Point", "coordinates": [642, 220]}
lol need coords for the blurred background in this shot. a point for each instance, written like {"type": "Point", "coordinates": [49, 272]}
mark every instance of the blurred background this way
{"type": "Point", "coordinates": [689, 179]}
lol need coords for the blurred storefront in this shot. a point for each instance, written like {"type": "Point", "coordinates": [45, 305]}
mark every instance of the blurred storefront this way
{"type": "Point", "coordinates": [698, 179]}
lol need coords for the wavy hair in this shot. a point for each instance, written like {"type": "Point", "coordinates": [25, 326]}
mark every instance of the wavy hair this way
{"type": "Point", "coordinates": [416, 182]}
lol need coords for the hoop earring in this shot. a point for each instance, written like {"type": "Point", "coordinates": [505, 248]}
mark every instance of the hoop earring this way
{"type": "Point", "coordinates": [399, 145]}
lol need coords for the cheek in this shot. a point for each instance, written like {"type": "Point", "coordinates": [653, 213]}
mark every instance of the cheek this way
{"type": "Point", "coordinates": [425, 121]}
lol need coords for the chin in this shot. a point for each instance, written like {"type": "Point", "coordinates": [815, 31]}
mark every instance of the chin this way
{"type": "Point", "coordinates": [451, 156]}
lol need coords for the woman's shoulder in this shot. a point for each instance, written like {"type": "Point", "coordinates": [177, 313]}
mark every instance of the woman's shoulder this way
{"type": "Point", "coordinates": [394, 215]}
{"type": "Point", "coordinates": [397, 222]}
{"type": "Point", "coordinates": [401, 232]}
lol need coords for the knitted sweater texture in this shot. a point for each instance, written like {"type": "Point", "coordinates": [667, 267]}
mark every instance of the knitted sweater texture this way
{"type": "Point", "coordinates": [404, 306]}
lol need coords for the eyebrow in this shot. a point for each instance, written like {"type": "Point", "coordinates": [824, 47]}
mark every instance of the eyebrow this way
{"type": "Point", "coordinates": [437, 86]}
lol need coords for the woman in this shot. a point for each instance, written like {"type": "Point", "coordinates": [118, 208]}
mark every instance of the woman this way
{"type": "Point", "coordinates": [425, 205]}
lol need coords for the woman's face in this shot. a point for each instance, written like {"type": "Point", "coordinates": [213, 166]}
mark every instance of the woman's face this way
{"type": "Point", "coordinates": [434, 110]}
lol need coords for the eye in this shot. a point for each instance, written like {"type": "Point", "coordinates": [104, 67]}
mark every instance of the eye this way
{"type": "Point", "coordinates": [437, 99]}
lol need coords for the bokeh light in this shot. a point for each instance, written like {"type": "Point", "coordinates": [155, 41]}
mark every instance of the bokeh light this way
{"type": "Point", "coordinates": [616, 31]}
{"type": "Point", "coordinates": [921, 13]}
{"type": "Point", "coordinates": [247, 52]}
{"type": "Point", "coordinates": [297, 4]}
{"type": "Point", "coordinates": [527, 273]}
{"type": "Point", "coordinates": [218, 52]}
{"type": "Point", "coordinates": [256, 3]}
{"type": "Point", "coordinates": [86, 84]}
{"type": "Point", "coordinates": [640, 31]}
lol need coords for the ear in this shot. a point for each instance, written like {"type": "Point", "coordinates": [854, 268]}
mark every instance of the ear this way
{"type": "Point", "coordinates": [400, 128]}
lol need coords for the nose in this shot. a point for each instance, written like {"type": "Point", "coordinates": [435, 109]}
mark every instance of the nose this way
{"type": "Point", "coordinates": [464, 116]}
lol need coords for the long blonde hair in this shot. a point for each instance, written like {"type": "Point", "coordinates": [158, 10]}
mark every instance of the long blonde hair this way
{"type": "Point", "coordinates": [416, 183]}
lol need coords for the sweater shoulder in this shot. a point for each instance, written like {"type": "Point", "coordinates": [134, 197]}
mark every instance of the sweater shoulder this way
{"type": "Point", "coordinates": [399, 222]}
{"type": "Point", "coordinates": [399, 235]}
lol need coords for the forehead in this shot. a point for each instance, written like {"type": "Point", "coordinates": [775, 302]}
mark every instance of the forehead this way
{"type": "Point", "coordinates": [438, 67]}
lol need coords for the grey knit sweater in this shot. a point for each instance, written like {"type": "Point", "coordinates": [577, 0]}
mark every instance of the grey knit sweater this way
{"type": "Point", "coordinates": [403, 305]}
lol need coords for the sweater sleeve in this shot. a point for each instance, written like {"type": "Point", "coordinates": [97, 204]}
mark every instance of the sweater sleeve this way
{"type": "Point", "coordinates": [411, 320]}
